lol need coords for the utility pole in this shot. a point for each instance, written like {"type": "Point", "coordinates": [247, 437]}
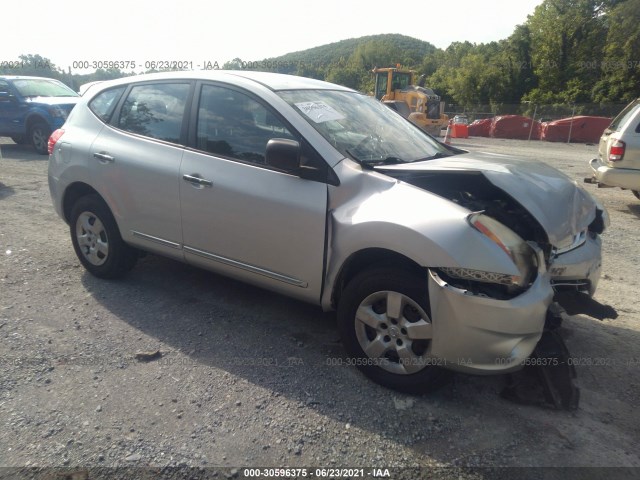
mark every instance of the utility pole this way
{"type": "Point", "coordinates": [535, 110]}
{"type": "Point", "coordinates": [571, 123]}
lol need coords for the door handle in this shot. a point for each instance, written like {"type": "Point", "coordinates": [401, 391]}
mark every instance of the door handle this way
{"type": "Point", "coordinates": [197, 180]}
{"type": "Point", "coordinates": [103, 157]}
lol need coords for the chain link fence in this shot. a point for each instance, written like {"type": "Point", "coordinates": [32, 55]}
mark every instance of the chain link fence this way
{"type": "Point", "coordinates": [543, 113]}
{"type": "Point", "coordinates": [578, 123]}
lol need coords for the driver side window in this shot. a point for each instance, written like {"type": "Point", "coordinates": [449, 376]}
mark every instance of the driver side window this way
{"type": "Point", "coordinates": [233, 124]}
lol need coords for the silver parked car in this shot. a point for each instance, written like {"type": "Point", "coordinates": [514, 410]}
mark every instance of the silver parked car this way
{"type": "Point", "coordinates": [618, 162]}
{"type": "Point", "coordinates": [432, 256]}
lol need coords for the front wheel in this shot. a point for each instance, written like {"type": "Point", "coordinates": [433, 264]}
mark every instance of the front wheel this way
{"type": "Point", "coordinates": [636, 193]}
{"type": "Point", "coordinates": [39, 136]}
{"type": "Point", "coordinates": [384, 322]}
{"type": "Point", "coordinates": [97, 241]}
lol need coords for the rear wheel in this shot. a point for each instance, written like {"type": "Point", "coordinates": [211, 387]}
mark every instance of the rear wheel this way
{"type": "Point", "coordinates": [39, 137]}
{"type": "Point", "coordinates": [386, 329]}
{"type": "Point", "coordinates": [97, 241]}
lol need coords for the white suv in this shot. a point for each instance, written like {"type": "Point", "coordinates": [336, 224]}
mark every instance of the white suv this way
{"type": "Point", "coordinates": [618, 162]}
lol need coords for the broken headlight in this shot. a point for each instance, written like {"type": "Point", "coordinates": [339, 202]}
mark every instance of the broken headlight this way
{"type": "Point", "coordinates": [478, 275]}
{"type": "Point", "coordinates": [520, 253]}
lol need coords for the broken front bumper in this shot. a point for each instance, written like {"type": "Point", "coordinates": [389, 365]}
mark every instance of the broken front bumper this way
{"type": "Point", "coordinates": [478, 334]}
{"type": "Point", "coordinates": [579, 268]}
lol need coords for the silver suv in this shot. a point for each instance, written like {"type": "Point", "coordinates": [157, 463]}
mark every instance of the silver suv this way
{"type": "Point", "coordinates": [618, 162]}
{"type": "Point", "coordinates": [432, 256]}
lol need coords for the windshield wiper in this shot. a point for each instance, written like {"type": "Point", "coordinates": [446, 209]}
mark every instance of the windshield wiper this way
{"type": "Point", "coordinates": [386, 161]}
{"type": "Point", "coordinates": [434, 156]}
{"type": "Point", "coordinates": [376, 163]}
{"type": "Point", "coordinates": [389, 161]}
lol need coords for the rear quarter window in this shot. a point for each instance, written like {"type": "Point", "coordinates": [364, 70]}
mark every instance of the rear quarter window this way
{"type": "Point", "coordinates": [630, 111]}
{"type": "Point", "coordinates": [105, 103]}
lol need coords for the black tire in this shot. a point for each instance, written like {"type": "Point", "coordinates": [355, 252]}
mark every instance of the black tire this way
{"type": "Point", "coordinates": [20, 140]}
{"type": "Point", "coordinates": [39, 137]}
{"type": "Point", "coordinates": [372, 290]}
{"type": "Point", "coordinates": [97, 241]}
{"type": "Point", "coordinates": [636, 193]}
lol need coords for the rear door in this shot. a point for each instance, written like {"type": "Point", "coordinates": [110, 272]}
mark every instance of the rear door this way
{"type": "Point", "coordinates": [241, 217]}
{"type": "Point", "coordinates": [137, 163]}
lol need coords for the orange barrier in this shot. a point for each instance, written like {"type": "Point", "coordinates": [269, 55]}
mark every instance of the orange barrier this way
{"type": "Point", "coordinates": [459, 130]}
{"type": "Point", "coordinates": [581, 129]}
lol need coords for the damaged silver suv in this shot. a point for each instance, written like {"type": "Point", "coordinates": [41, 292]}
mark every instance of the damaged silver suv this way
{"type": "Point", "coordinates": [433, 257]}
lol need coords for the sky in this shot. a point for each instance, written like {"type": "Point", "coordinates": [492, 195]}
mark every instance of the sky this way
{"type": "Point", "coordinates": [68, 32]}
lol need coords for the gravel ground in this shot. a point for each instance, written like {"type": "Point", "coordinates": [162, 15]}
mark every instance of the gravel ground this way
{"type": "Point", "coordinates": [245, 377]}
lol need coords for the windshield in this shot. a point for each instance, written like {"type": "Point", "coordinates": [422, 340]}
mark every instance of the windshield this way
{"type": "Point", "coordinates": [401, 80]}
{"type": "Point", "coordinates": [363, 128]}
{"type": "Point", "coordinates": [42, 88]}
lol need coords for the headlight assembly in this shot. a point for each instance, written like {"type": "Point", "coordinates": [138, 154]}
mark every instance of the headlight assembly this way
{"type": "Point", "coordinates": [520, 253]}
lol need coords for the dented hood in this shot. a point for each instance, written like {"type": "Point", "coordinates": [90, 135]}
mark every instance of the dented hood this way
{"type": "Point", "coordinates": [560, 205]}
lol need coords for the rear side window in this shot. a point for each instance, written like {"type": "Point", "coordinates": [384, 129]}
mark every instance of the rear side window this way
{"type": "Point", "coordinates": [105, 103]}
{"type": "Point", "coordinates": [155, 110]}
{"type": "Point", "coordinates": [625, 115]}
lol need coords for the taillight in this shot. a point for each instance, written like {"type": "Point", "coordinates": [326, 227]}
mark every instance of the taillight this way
{"type": "Point", "coordinates": [616, 151]}
{"type": "Point", "coordinates": [55, 136]}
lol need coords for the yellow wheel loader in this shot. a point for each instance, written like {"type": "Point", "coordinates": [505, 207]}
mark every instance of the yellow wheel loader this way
{"type": "Point", "coordinates": [397, 89]}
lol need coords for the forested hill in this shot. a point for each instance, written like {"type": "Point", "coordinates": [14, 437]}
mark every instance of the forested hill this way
{"type": "Point", "coordinates": [401, 49]}
{"type": "Point", "coordinates": [348, 62]}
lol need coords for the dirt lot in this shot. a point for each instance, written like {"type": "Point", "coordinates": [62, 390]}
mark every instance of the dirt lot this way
{"type": "Point", "coordinates": [245, 381]}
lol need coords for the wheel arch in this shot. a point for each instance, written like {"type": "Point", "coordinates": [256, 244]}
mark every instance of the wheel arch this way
{"type": "Point", "coordinates": [71, 195]}
{"type": "Point", "coordinates": [367, 258]}
{"type": "Point", "coordinates": [32, 120]}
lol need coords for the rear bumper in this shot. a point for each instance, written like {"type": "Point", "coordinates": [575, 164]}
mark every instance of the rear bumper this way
{"type": "Point", "coordinates": [614, 177]}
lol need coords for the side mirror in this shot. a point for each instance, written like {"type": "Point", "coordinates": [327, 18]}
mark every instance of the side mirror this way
{"type": "Point", "coordinates": [283, 154]}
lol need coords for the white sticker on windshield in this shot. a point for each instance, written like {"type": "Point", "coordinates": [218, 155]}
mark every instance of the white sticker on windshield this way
{"type": "Point", "coordinates": [319, 111]}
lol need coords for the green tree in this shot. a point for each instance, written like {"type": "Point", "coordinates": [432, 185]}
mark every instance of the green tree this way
{"type": "Point", "coordinates": [33, 65]}
{"type": "Point", "coordinates": [567, 39]}
{"type": "Point", "coordinates": [471, 74]}
{"type": "Point", "coordinates": [515, 62]}
{"type": "Point", "coordinates": [620, 67]}
{"type": "Point", "coordinates": [349, 76]}
{"type": "Point", "coordinates": [235, 64]}
{"type": "Point", "coordinates": [375, 53]}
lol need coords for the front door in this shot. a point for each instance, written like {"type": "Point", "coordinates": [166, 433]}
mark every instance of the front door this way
{"type": "Point", "coordinates": [241, 217]}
